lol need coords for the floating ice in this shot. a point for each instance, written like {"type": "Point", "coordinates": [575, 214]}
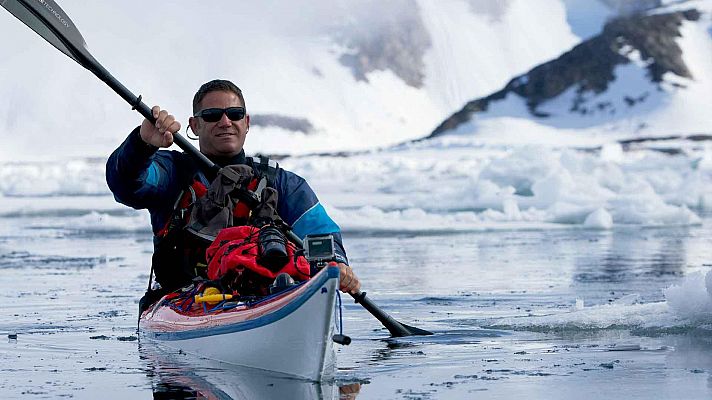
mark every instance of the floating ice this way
{"type": "Point", "coordinates": [448, 184]}
{"type": "Point", "coordinates": [688, 305]}
{"type": "Point", "coordinates": [600, 219]}
{"type": "Point", "coordinates": [97, 222]}
{"type": "Point", "coordinates": [692, 299]}
{"type": "Point", "coordinates": [607, 316]}
{"type": "Point", "coordinates": [463, 185]}
{"type": "Point", "coordinates": [79, 177]}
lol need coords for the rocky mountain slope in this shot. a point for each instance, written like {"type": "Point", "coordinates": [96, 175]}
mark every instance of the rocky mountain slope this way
{"type": "Point", "coordinates": [634, 68]}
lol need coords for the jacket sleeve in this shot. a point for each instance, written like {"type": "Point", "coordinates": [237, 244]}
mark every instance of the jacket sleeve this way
{"type": "Point", "coordinates": [139, 176]}
{"type": "Point", "coordinates": [300, 208]}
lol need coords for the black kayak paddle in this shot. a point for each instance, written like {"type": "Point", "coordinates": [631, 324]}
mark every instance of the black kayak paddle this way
{"type": "Point", "coordinates": [48, 20]}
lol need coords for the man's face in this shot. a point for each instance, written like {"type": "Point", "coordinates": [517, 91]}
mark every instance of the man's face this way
{"type": "Point", "coordinates": [223, 138]}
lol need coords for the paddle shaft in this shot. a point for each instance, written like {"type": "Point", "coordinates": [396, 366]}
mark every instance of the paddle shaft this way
{"type": "Point", "coordinates": [136, 103]}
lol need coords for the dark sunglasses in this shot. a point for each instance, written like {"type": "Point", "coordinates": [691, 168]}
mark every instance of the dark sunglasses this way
{"type": "Point", "coordinates": [214, 114]}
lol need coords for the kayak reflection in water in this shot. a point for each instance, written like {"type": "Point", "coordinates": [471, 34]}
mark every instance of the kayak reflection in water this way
{"type": "Point", "coordinates": [311, 391]}
{"type": "Point", "coordinates": [171, 185]}
{"type": "Point", "coordinates": [176, 376]}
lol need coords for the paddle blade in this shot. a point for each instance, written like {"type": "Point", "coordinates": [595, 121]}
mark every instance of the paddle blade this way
{"type": "Point", "coordinates": [395, 328]}
{"type": "Point", "coordinates": [413, 331]}
{"type": "Point", "coordinates": [51, 22]}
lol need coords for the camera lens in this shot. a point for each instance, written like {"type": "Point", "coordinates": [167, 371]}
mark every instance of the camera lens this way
{"type": "Point", "coordinates": [272, 248]}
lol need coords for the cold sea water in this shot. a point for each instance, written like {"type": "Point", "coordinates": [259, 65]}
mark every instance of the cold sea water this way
{"type": "Point", "coordinates": [537, 314]}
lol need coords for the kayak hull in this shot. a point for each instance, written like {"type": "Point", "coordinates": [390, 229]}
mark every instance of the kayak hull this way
{"type": "Point", "coordinates": [290, 333]}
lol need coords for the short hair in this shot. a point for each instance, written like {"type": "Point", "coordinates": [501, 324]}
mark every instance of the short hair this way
{"type": "Point", "coordinates": [216, 85]}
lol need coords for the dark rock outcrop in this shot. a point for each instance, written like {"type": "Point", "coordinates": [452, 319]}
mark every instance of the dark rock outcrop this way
{"type": "Point", "coordinates": [589, 67]}
{"type": "Point", "coordinates": [396, 41]}
{"type": "Point", "coordinates": [282, 121]}
{"type": "Point", "coordinates": [494, 10]}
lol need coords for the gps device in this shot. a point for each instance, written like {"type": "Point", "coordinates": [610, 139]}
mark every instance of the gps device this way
{"type": "Point", "coordinates": [319, 248]}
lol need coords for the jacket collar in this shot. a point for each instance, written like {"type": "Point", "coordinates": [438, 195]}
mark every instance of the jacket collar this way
{"type": "Point", "coordinates": [224, 161]}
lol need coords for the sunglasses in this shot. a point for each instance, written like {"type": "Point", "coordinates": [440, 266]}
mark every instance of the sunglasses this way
{"type": "Point", "coordinates": [214, 114]}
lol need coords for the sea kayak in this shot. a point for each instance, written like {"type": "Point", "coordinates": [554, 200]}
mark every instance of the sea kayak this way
{"type": "Point", "coordinates": [289, 332]}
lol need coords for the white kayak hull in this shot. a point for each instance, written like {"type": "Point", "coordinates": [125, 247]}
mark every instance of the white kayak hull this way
{"type": "Point", "coordinates": [290, 333]}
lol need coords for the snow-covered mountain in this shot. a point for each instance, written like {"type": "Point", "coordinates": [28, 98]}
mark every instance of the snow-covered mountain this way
{"type": "Point", "coordinates": [317, 75]}
{"type": "Point", "coordinates": [645, 74]}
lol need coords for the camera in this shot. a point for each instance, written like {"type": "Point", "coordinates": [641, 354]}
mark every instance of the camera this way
{"type": "Point", "coordinates": [319, 249]}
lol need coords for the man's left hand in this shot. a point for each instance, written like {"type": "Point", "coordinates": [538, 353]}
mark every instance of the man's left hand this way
{"type": "Point", "coordinates": [348, 281]}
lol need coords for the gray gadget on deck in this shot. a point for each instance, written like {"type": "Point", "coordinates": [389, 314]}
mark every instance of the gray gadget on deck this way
{"type": "Point", "coordinates": [319, 249]}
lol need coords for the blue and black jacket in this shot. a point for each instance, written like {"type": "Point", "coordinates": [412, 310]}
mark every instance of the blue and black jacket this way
{"type": "Point", "coordinates": [141, 177]}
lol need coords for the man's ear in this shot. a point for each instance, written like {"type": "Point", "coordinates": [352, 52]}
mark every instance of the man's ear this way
{"type": "Point", "coordinates": [247, 122]}
{"type": "Point", "coordinates": [193, 123]}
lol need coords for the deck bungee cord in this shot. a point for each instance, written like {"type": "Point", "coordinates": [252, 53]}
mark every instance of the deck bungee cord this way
{"type": "Point", "coordinates": [182, 301]}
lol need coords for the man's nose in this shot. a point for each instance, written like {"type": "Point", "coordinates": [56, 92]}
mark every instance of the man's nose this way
{"type": "Point", "coordinates": [224, 120]}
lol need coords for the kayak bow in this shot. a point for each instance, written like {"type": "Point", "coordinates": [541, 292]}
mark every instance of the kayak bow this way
{"type": "Point", "coordinates": [289, 333]}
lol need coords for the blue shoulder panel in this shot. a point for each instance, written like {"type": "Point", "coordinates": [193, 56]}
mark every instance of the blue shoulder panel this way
{"type": "Point", "coordinates": [152, 177]}
{"type": "Point", "coordinates": [315, 221]}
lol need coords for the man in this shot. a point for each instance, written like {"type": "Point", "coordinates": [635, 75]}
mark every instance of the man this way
{"type": "Point", "coordinates": [140, 176]}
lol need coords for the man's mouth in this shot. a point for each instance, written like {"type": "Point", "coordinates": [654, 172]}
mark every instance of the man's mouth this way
{"type": "Point", "coordinates": [223, 134]}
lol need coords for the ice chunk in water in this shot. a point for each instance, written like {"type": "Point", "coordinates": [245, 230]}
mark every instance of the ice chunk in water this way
{"type": "Point", "coordinates": [692, 299]}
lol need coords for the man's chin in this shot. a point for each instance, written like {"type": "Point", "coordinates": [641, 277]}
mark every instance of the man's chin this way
{"type": "Point", "coordinates": [222, 149]}
{"type": "Point", "coordinates": [227, 152]}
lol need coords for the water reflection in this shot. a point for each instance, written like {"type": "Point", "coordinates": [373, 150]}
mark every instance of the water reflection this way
{"type": "Point", "coordinates": [176, 375]}
{"type": "Point", "coordinates": [630, 261]}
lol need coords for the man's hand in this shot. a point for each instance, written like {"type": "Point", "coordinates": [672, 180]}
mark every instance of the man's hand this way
{"type": "Point", "coordinates": [348, 281]}
{"type": "Point", "coordinates": [161, 133]}
{"type": "Point", "coordinates": [350, 391]}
